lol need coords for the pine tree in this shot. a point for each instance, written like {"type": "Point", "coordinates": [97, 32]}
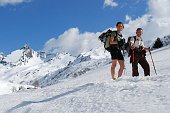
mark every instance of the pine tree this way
{"type": "Point", "coordinates": [158, 43]}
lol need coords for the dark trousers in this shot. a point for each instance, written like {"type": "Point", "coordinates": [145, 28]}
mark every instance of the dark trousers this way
{"type": "Point", "coordinates": [139, 59]}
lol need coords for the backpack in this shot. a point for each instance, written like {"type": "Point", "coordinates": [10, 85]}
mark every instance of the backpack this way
{"type": "Point", "coordinates": [104, 38]}
{"type": "Point", "coordinates": [127, 45]}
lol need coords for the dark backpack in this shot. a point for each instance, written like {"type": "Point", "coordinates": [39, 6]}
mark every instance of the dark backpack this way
{"type": "Point", "coordinates": [127, 45]}
{"type": "Point", "coordinates": [104, 37]}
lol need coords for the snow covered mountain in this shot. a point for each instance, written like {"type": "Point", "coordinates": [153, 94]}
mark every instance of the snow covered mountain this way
{"type": "Point", "coordinates": [47, 69]}
{"type": "Point", "coordinates": [83, 63]}
{"type": "Point", "coordinates": [26, 66]}
{"type": "Point", "coordinates": [18, 57]}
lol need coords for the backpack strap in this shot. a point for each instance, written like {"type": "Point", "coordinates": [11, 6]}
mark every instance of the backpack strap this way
{"type": "Point", "coordinates": [115, 34]}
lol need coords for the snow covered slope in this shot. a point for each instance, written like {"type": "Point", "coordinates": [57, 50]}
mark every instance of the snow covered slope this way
{"type": "Point", "coordinates": [95, 92]}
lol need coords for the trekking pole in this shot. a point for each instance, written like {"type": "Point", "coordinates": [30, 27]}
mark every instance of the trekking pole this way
{"type": "Point", "coordinates": [124, 68]}
{"type": "Point", "coordinates": [133, 60]}
{"type": "Point", "coordinates": [152, 61]}
{"type": "Point", "coordinates": [124, 61]}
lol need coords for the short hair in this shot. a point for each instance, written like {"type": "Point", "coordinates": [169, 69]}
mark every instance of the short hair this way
{"type": "Point", "coordinates": [119, 23]}
{"type": "Point", "coordinates": [139, 29]}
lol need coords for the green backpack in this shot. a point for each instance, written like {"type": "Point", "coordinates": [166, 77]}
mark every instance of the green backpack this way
{"type": "Point", "coordinates": [105, 38]}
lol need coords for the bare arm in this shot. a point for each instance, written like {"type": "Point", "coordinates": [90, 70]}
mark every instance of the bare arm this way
{"type": "Point", "coordinates": [147, 49]}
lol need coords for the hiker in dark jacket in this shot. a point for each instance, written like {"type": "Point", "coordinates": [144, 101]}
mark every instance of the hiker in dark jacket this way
{"type": "Point", "coordinates": [116, 42]}
{"type": "Point", "coordinates": [138, 54]}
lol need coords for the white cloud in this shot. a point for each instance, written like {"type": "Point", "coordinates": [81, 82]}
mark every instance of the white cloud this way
{"type": "Point", "coordinates": [12, 2]}
{"type": "Point", "coordinates": [110, 3]}
{"type": "Point", "coordinates": [128, 18]}
{"type": "Point", "coordinates": [155, 22]}
{"type": "Point", "coordinates": [72, 41]}
{"type": "Point", "coordinates": [130, 28]}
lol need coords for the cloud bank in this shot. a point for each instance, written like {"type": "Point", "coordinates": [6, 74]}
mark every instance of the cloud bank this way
{"type": "Point", "coordinates": [12, 2]}
{"type": "Point", "coordinates": [72, 41]}
{"type": "Point", "coordinates": [155, 22]}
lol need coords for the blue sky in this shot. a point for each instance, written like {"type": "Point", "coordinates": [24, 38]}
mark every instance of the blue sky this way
{"type": "Point", "coordinates": [37, 22]}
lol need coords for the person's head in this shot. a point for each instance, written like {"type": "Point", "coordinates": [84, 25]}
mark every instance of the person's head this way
{"type": "Point", "coordinates": [139, 32]}
{"type": "Point", "coordinates": [119, 26]}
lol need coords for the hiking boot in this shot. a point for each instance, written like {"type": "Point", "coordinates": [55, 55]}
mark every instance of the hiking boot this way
{"type": "Point", "coordinates": [113, 78]}
{"type": "Point", "coordinates": [119, 76]}
{"type": "Point", "coordinates": [147, 75]}
{"type": "Point", "coordinates": [135, 75]}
